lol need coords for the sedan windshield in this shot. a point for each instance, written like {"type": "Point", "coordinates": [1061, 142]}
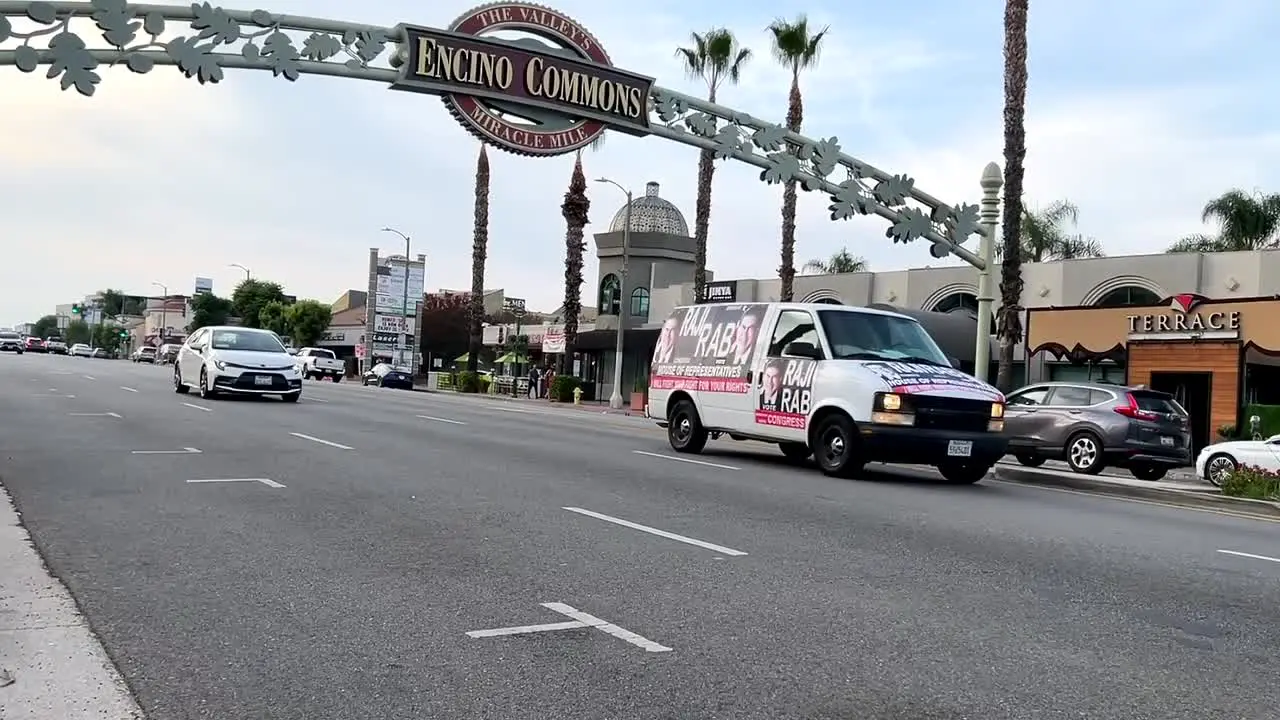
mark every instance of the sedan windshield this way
{"type": "Point", "coordinates": [872, 336]}
{"type": "Point", "coordinates": [246, 340]}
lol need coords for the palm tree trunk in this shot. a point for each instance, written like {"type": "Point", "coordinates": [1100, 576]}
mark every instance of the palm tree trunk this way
{"type": "Point", "coordinates": [1009, 322]}
{"type": "Point", "coordinates": [702, 222]}
{"type": "Point", "coordinates": [787, 271]}
{"type": "Point", "coordinates": [574, 209]}
{"type": "Point", "coordinates": [479, 250]}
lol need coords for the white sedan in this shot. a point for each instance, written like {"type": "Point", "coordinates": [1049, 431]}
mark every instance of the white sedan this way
{"type": "Point", "coordinates": [236, 361]}
{"type": "Point", "coordinates": [1216, 462]}
{"type": "Point", "coordinates": [81, 350]}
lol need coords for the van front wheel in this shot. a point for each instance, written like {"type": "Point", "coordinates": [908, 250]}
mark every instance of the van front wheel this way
{"type": "Point", "coordinates": [835, 447]}
{"type": "Point", "coordinates": [684, 429]}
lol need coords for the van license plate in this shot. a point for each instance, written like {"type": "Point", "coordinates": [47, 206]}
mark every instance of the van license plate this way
{"type": "Point", "coordinates": [1166, 441]}
{"type": "Point", "coordinates": [262, 380]}
{"type": "Point", "coordinates": [959, 448]}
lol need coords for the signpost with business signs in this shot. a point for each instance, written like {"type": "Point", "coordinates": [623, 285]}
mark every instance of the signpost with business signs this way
{"type": "Point", "coordinates": [720, 291]}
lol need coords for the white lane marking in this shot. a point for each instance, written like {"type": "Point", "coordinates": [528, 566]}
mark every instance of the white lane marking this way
{"type": "Point", "coordinates": [685, 460]}
{"type": "Point", "coordinates": [522, 629]}
{"type": "Point", "coordinates": [607, 627]}
{"type": "Point", "coordinates": [53, 390]}
{"type": "Point", "coordinates": [127, 389]}
{"type": "Point", "coordinates": [53, 395]}
{"type": "Point", "coordinates": [655, 531]}
{"type": "Point", "coordinates": [1249, 555]}
{"type": "Point", "coordinates": [264, 481]}
{"type": "Point", "coordinates": [517, 410]}
{"type": "Point", "coordinates": [101, 414]}
{"type": "Point", "coordinates": [313, 399]}
{"type": "Point", "coordinates": [183, 451]}
{"type": "Point", "coordinates": [322, 441]}
{"type": "Point", "coordinates": [198, 407]}
{"type": "Point", "coordinates": [443, 420]}
{"type": "Point", "coordinates": [90, 377]}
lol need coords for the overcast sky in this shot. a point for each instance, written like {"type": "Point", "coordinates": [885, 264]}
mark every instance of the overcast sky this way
{"type": "Point", "coordinates": [1139, 111]}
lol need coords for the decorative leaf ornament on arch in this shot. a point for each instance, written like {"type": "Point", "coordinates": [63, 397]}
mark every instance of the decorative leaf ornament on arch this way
{"type": "Point", "coordinates": [202, 41]}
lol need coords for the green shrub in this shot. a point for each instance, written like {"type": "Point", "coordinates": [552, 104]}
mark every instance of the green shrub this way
{"type": "Point", "coordinates": [485, 381]}
{"type": "Point", "coordinates": [1269, 416]}
{"type": "Point", "coordinates": [468, 382]}
{"type": "Point", "coordinates": [562, 388]}
{"type": "Point", "coordinates": [1229, 432]}
{"type": "Point", "coordinates": [1252, 482]}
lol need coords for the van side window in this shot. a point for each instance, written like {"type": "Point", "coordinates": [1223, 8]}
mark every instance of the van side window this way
{"type": "Point", "coordinates": [793, 326]}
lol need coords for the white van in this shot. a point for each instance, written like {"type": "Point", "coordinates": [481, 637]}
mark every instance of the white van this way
{"type": "Point", "coordinates": [847, 385]}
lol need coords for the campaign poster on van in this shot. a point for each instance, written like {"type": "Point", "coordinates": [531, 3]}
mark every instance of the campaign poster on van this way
{"type": "Point", "coordinates": [910, 378]}
{"type": "Point", "coordinates": [707, 348]}
{"type": "Point", "coordinates": [786, 391]}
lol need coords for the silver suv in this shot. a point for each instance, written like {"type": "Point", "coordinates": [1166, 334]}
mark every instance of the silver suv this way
{"type": "Point", "coordinates": [1093, 425]}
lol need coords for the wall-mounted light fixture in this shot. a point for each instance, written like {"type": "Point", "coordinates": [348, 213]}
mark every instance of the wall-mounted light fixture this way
{"type": "Point", "coordinates": [1232, 284]}
{"type": "Point", "coordinates": [1044, 291]}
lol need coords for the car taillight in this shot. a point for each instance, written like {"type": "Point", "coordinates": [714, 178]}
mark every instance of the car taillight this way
{"type": "Point", "coordinates": [1133, 411]}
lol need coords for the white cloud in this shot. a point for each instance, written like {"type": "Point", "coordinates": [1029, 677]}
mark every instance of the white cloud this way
{"type": "Point", "coordinates": [158, 178]}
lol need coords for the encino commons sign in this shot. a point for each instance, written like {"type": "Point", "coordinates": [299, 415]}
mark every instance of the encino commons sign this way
{"type": "Point", "coordinates": [566, 93]}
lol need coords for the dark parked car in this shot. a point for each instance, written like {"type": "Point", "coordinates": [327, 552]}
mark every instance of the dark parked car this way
{"type": "Point", "coordinates": [1094, 425]}
{"type": "Point", "coordinates": [384, 375]}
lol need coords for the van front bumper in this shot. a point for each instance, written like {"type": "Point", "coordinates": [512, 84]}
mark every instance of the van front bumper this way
{"type": "Point", "coordinates": [916, 446]}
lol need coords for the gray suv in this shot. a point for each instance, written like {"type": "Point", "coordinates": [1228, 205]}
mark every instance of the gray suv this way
{"type": "Point", "coordinates": [1093, 425]}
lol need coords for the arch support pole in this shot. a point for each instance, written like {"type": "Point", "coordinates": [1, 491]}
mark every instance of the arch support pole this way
{"type": "Point", "coordinates": [990, 215]}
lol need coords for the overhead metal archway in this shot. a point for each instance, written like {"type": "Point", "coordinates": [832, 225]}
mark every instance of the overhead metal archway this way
{"type": "Point", "coordinates": [74, 40]}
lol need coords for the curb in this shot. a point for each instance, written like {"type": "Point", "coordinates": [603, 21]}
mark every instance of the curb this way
{"type": "Point", "coordinates": [1183, 498]}
{"type": "Point", "coordinates": [562, 406]}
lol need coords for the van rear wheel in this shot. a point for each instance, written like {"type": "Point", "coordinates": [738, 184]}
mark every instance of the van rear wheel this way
{"type": "Point", "coordinates": [835, 447]}
{"type": "Point", "coordinates": [684, 428]}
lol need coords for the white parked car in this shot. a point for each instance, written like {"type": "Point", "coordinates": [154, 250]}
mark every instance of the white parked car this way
{"type": "Point", "coordinates": [1216, 462]}
{"type": "Point", "coordinates": [81, 350]}
{"type": "Point", "coordinates": [236, 360]}
{"type": "Point", "coordinates": [320, 363]}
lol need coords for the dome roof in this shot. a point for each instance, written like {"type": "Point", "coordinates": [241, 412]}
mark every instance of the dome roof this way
{"type": "Point", "coordinates": [651, 214]}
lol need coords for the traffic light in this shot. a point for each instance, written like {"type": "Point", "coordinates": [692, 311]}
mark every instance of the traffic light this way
{"type": "Point", "coordinates": [124, 333]}
{"type": "Point", "coordinates": [76, 309]}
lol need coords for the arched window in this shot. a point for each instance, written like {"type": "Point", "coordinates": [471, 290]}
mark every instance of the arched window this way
{"type": "Point", "coordinates": [610, 295]}
{"type": "Point", "coordinates": [961, 302]}
{"type": "Point", "coordinates": [828, 301]}
{"type": "Point", "coordinates": [1128, 296]}
{"type": "Point", "coordinates": [640, 303]}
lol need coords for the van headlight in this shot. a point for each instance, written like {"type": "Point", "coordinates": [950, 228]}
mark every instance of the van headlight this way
{"type": "Point", "coordinates": [891, 409]}
{"type": "Point", "coordinates": [997, 411]}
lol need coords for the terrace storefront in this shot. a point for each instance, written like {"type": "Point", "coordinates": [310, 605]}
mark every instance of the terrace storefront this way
{"type": "Point", "coordinates": [1214, 356]}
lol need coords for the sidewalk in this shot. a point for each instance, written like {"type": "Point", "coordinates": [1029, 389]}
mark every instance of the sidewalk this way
{"type": "Point", "coordinates": [1183, 475]}
{"type": "Point", "coordinates": [587, 406]}
{"type": "Point", "coordinates": [51, 664]}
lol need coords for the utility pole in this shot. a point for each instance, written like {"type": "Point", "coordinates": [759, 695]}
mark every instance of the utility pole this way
{"type": "Point", "coordinates": [164, 311]}
{"type": "Point", "coordinates": [615, 398]}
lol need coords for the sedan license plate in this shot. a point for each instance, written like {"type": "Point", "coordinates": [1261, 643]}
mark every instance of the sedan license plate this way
{"type": "Point", "coordinates": [959, 448]}
{"type": "Point", "coordinates": [1166, 441]}
{"type": "Point", "coordinates": [262, 380]}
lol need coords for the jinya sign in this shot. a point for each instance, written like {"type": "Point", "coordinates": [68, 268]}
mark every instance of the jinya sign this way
{"type": "Point", "coordinates": [1186, 320]}
{"type": "Point", "coordinates": [524, 95]}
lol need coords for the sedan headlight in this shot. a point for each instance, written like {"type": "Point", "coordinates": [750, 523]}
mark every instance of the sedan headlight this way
{"type": "Point", "coordinates": [219, 364]}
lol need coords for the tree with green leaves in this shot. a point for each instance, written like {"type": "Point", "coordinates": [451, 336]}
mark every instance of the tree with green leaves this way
{"type": "Point", "coordinates": [797, 47]}
{"type": "Point", "coordinates": [841, 261]}
{"type": "Point", "coordinates": [46, 326]}
{"type": "Point", "coordinates": [250, 296]}
{"type": "Point", "coordinates": [713, 57]}
{"type": "Point", "coordinates": [274, 317]}
{"type": "Point", "coordinates": [77, 331]}
{"type": "Point", "coordinates": [1009, 319]}
{"type": "Point", "coordinates": [115, 303]}
{"type": "Point", "coordinates": [107, 337]}
{"type": "Point", "coordinates": [209, 309]}
{"type": "Point", "coordinates": [307, 321]}
{"type": "Point", "coordinates": [1045, 235]}
{"type": "Point", "coordinates": [1246, 221]}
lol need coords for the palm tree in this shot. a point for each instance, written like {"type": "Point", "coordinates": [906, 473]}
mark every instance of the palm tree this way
{"type": "Point", "coordinates": [1009, 320]}
{"type": "Point", "coordinates": [839, 262]}
{"type": "Point", "coordinates": [713, 58]}
{"type": "Point", "coordinates": [1045, 237]}
{"type": "Point", "coordinates": [479, 250]}
{"type": "Point", "coordinates": [1245, 222]}
{"type": "Point", "coordinates": [796, 48]}
{"type": "Point", "coordinates": [574, 209]}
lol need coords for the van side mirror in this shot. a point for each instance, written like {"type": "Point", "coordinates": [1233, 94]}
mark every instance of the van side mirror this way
{"type": "Point", "coordinates": [955, 361]}
{"type": "Point", "coordinates": [804, 350]}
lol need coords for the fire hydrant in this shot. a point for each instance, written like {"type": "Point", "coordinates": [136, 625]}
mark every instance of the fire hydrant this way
{"type": "Point", "coordinates": [577, 396]}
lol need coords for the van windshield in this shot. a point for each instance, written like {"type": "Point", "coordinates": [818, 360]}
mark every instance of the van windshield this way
{"type": "Point", "coordinates": [869, 336]}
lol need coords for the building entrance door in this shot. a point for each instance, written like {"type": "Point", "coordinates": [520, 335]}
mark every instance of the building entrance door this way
{"type": "Point", "coordinates": [1193, 391]}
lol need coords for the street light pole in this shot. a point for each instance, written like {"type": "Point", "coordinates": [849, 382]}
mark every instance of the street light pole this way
{"type": "Point", "coordinates": [615, 398]}
{"type": "Point", "coordinates": [989, 217]}
{"type": "Point", "coordinates": [247, 275]}
{"type": "Point", "coordinates": [403, 338]}
{"type": "Point", "coordinates": [164, 311]}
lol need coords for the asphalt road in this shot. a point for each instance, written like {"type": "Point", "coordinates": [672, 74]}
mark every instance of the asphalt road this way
{"type": "Point", "coordinates": [349, 591]}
